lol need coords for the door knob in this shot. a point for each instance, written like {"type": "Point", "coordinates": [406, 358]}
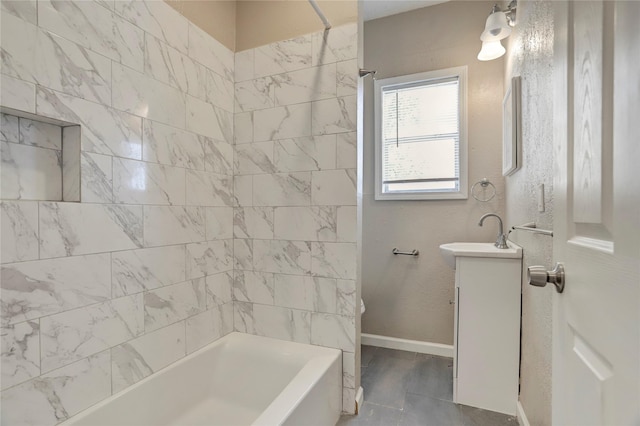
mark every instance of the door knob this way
{"type": "Point", "coordinates": [539, 276]}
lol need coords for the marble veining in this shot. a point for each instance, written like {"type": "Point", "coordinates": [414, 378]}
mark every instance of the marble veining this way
{"type": "Point", "coordinates": [305, 154]}
{"type": "Point", "coordinates": [134, 271]}
{"type": "Point", "coordinates": [40, 134]}
{"type": "Point", "coordinates": [308, 293]}
{"type": "Point", "coordinates": [59, 394]}
{"type": "Point", "coordinates": [30, 173]}
{"type": "Point", "coordinates": [19, 227]}
{"type": "Point", "coordinates": [72, 335]}
{"type": "Point", "coordinates": [44, 287]}
{"type": "Point", "coordinates": [254, 158]}
{"type": "Point", "coordinates": [253, 222]}
{"type": "Point", "coordinates": [68, 229]}
{"type": "Point", "coordinates": [209, 257]}
{"type": "Point", "coordinates": [172, 146]}
{"type": "Point", "coordinates": [166, 225]}
{"type": "Point", "coordinates": [282, 189]}
{"type": "Point", "coordinates": [173, 303]}
{"type": "Point", "coordinates": [257, 287]}
{"type": "Point", "coordinates": [316, 223]}
{"type": "Point", "coordinates": [104, 130]}
{"type": "Point", "coordinates": [27, 10]}
{"type": "Point", "coordinates": [20, 353]}
{"type": "Point", "coordinates": [286, 257]}
{"type": "Point", "coordinates": [282, 56]}
{"type": "Point", "coordinates": [138, 182]}
{"type": "Point", "coordinates": [97, 178]}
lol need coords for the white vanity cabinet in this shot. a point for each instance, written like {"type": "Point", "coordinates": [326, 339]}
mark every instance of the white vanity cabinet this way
{"type": "Point", "coordinates": [487, 328]}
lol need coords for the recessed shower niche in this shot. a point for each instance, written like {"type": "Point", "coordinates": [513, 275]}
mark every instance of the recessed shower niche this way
{"type": "Point", "coordinates": [40, 158]}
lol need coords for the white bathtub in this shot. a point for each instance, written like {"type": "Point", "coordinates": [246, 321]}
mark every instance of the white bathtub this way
{"type": "Point", "coordinates": [240, 379]}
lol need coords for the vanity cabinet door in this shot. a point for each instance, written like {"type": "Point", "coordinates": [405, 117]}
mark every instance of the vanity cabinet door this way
{"type": "Point", "coordinates": [488, 333]}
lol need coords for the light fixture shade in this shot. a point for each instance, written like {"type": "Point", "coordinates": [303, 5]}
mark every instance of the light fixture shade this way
{"type": "Point", "coordinates": [496, 27]}
{"type": "Point", "coordinates": [491, 50]}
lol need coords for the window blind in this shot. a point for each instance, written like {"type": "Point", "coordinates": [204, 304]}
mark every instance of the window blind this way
{"type": "Point", "coordinates": [421, 134]}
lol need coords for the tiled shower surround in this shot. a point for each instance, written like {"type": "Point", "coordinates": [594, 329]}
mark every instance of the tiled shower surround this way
{"type": "Point", "coordinates": [189, 226]}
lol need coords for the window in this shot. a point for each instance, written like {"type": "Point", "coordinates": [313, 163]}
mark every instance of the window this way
{"type": "Point", "coordinates": [421, 149]}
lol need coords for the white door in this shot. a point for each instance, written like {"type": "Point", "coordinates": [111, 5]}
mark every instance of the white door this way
{"type": "Point", "coordinates": [596, 330]}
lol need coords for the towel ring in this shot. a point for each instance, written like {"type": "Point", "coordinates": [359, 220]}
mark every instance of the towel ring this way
{"type": "Point", "coordinates": [484, 184]}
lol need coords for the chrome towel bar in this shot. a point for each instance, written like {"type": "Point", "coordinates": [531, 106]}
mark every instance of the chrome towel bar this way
{"type": "Point", "coordinates": [406, 253]}
{"type": "Point", "coordinates": [531, 227]}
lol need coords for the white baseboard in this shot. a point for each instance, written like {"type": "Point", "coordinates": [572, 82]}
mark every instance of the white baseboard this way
{"type": "Point", "coordinates": [521, 416]}
{"type": "Point", "coordinates": [438, 349]}
{"type": "Point", "coordinates": [359, 399]}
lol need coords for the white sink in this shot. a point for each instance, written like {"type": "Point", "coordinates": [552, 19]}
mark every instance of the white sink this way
{"type": "Point", "coordinates": [452, 250]}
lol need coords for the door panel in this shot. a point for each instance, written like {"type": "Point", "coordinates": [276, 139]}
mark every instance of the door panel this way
{"type": "Point", "coordinates": [596, 374]}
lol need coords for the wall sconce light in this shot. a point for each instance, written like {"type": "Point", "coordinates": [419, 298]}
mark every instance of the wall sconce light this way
{"type": "Point", "coordinates": [497, 27]}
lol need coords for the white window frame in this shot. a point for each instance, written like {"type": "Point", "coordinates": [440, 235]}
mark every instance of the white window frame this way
{"type": "Point", "coordinates": [462, 193]}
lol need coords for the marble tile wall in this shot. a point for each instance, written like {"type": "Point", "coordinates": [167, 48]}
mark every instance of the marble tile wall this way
{"type": "Point", "coordinates": [99, 294]}
{"type": "Point", "coordinates": [294, 222]}
{"type": "Point", "coordinates": [216, 189]}
{"type": "Point", "coordinates": [31, 156]}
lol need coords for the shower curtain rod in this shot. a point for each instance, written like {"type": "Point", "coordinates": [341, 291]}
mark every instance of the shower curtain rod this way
{"type": "Point", "coordinates": [325, 21]}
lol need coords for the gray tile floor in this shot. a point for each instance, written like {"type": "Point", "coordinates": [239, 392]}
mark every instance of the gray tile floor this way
{"type": "Point", "coordinates": [405, 388]}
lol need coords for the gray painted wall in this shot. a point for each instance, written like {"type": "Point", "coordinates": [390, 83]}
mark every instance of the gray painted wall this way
{"type": "Point", "coordinates": [530, 55]}
{"type": "Point", "coordinates": [409, 297]}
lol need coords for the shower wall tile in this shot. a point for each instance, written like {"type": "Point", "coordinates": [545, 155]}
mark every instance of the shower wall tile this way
{"type": "Point", "coordinates": [253, 222]}
{"type": "Point", "coordinates": [94, 27]}
{"type": "Point", "coordinates": [141, 269]}
{"type": "Point", "coordinates": [334, 331]}
{"type": "Point", "coordinates": [347, 224]}
{"type": "Point", "coordinates": [138, 182]}
{"type": "Point", "coordinates": [59, 394]}
{"type": "Point", "coordinates": [285, 257]}
{"type": "Point", "coordinates": [219, 91]}
{"type": "Point", "coordinates": [134, 271]}
{"type": "Point", "coordinates": [346, 150]}
{"type": "Point", "coordinates": [317, 223]}
{"type": "Point", "coordinates": [272, 321]}
{"type": "Point", "coordinates": [243, 254]}
{"type": "Point", "coordinates": [138, 358]}
{"type": "Point", "coordinates": [17, 94]}
{"type": "Point", "coordinates": [219, 223]}
{"type": "Point", "coordinates": [335, 260]}
{"type": "Point", "coordinates": [69, 229]}
{"type": "Point", "coordinates": [26, 10]}
{"type": "Point", "coordinates": [305, 154]}
{"type": "Point", "coordinates": [219, 289]}
{"type": "Point", "coordinates": [70, 336]}
{"type": "Point", "coordinates": [254, 158]}
{"type": "Point", "coordinates": [9, 128]}
{"type": "Point", "coordinates": [334, 187]}
{"type": "Point", "coordinates": [208, 326]}
{"type": "Point", "coordinates": [172, 146]}
{"type": "Point", "coordinates": [208, 120]}
{"type": "Point", "coordinates": [348, 369]}
{"type": "Point", "coordinates": [305, 85]}
{"type": "Point", "coordinates": [166, 225]}
{"type": "Point", "coordinates": [243, 127]}
{"type": "Point", "coordinates": [243, 190]}
{"type": "Point", "coordinates": [173, 303]}
{"type": "Point", "coordinates": [20, 349]}
{"type": "Point", "coordinates": [307, 293]}
{"type": "Point", "coordinates": [97, 178]}
{"type": "Point", "coordinates": [210, 52]}
{"type": "Point", "coordinates": [339, 44]}
{"type": "Point", "coordinates": [170, 66]}
{"type": "Point", "coordinates": [336, 115]}
{"type": "Point", "coordinates": [346, 298]}
{"type": "Point", "coordinates": [218, 156]}
{"type": "Point", "coordinates": [208, 189]}
{"type": "Point", "coordinates": [208, 258]}
{"type": "Point", "coordinates": [282, 189]}
{"type": "Point", "coordinates": [347, 78]}
{"type": "Point", "coordinates": [43, 287]}
{"type": "Point", "coordinates": [158, 19]}
{"type": "Point", "coordinates": [250, 286]}
{"type": "Point", "coordinates": [282, 122]}
{"type": "Point", "coordinates": [295, 192]}
{"type": "Point", "coordinates": [255, 94]}
{"type": "Point", "coordinates": [244, 65]}
{"type": "Point", "coordinates": [104, 130]}
{"type": "Point", "coordinates": [135, 93]}
{"type": "Point", "coordinates": [30, 173]}
{"type": "Point", "coordinates": [19, 228]}
{"type": "Point", "coordinates": [40, 134]}
{"type": "Point", "coordinates": [283, 56]}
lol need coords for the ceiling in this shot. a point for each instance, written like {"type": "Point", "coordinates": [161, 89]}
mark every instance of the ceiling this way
{"type": "Point", "coordinates": [374, 9]}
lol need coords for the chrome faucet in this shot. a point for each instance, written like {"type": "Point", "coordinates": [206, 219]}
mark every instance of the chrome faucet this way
{"type": "Point", "coordinates": [501, 242]}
